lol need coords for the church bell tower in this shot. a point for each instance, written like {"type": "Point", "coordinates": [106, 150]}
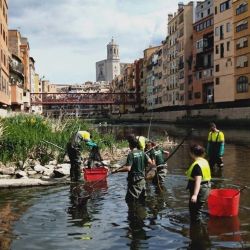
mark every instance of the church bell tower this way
{"type": "Point", "coordinates": [113, 60]}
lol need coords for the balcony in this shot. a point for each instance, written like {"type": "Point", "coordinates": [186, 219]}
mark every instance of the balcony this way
{"type": "Point", "coordinates": [16, 65]}
{"type": "Point", "coordinates": [16, 71]}
{"type": "Point", "coordinates": [16, 94]}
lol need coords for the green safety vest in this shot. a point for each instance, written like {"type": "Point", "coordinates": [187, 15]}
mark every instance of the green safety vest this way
{"type": "Point", "coordinates": [205, 169]}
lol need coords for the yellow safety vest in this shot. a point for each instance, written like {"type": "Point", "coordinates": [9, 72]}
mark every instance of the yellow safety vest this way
{"type": "Point", "coordinates": [216, 136]}
{"type": "Point", "coordinates": [85, 135]}
{"type": "Point", "coordinates": [205, 169]}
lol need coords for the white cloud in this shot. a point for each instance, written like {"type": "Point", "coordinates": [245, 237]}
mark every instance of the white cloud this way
{"type": "Point", "coordinates": [67, 37]}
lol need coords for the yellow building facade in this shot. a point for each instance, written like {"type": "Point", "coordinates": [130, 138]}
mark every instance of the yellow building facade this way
{"type": "Point", "coordinates": [223, 51]}
{"type": "Point", "coordinates": [241, 28]}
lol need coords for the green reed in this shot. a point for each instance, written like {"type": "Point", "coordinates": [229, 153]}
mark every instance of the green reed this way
{"type": "Point", "coordinates": [22, 137]}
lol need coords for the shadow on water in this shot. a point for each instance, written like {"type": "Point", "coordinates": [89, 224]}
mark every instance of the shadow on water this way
{"type": "Point", "coordinates": [97, 216]}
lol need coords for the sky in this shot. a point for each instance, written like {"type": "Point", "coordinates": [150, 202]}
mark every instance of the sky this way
{"type": "Point", "coordinates": [67, 37]}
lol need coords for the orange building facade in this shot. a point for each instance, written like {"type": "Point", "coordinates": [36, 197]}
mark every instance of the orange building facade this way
{"type": "Point", "coordinates": [200, 82]}
{"type": "Point", "coordinates": [16, 70]}
{"type": "Point", "coordinates": [5, 99]}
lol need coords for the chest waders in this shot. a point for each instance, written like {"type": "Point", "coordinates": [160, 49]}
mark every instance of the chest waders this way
{"type": "Point", "coordinates": [136, 189]}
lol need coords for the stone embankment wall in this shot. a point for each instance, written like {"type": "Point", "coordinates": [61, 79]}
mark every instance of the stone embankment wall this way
{"type": "Point", "coordinates": [221, 114]}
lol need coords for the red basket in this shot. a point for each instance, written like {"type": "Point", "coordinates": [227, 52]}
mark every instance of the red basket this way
{"type": "Point", "coordinates": [95, 174]}
{"type": "Point", "coordinates": [224, 202]}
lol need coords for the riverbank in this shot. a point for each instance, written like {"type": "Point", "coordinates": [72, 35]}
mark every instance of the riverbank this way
{"type": "Point", "coordinates": [231, 117]}
{"type": "Point", "coordinates": [17, 183]}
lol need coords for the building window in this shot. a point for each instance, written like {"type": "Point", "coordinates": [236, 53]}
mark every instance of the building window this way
{"type": "Point", "coordinates": [225, 6]}
{"type": "Point", "coordinates": [221, 32]}
{"type": "Point", "coordinates": [217, 49]}
{"type": "Point", "coordinates": [190, 95]}
{"type": "Point", "coordinates": [228, 27]}
{"type": "Point", "coordinates": [242, 84]}
{"type": "Point", "coordinates": [217, 68]}
{"type": "Point", "coordinates": [242, 26]}
{"type": "Point", "coordinates": [221, 50]}
{"type": "Point", "coordinates": [242, 62]}
{"type": "Point", "coordinates": [242, 43]}
{"type": "Point", "coordinates": [216, 31]}
{"type": "Point", "coordinates": [190, 79]}
{"type": "Point", "coordinates": [228, 46]}
{"type": "Point", "coordinates": [197, 95]}
{"type": "Point", "coordinates": [208, 11]}
{"type": "Point", "coordinates": [217, 80]}
{"type": "Point", "coordinates": [241, 8]}
{"type": "Point", "coordinates": [215, 10]}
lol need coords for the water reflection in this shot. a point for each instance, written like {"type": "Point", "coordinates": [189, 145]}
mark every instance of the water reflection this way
{"type": "Point", "coordinates": [199, 237]}
{"type": "Point", "coordinates": [136, 232]}
{"type": "Point", "coordinates": [224, 228]}
{"type": "Point", "coordinates": [82, 194]}
{"type": "Point", "coordinates": [78, 205]}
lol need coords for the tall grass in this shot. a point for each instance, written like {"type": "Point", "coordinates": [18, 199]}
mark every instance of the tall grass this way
{"type": "Point", "coordinates": [22, 136]}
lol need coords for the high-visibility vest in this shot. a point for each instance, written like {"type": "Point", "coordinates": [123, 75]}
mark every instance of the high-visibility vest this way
{"type": "Point", "coordinates": [205, 169]}
{"type": "Point", "coordinates": [216, 136]}
{"type": "Point", "coordinates": [85, 135]}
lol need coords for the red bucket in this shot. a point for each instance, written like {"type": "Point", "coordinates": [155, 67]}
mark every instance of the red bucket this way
{"type": "Point", "coordinates": [223, 202]}
{"type": "Point", "coordinates": [95, 174]}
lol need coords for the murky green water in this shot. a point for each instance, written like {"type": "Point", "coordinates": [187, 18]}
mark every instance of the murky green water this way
{"type": "Point", "coordinates": [51, 218]}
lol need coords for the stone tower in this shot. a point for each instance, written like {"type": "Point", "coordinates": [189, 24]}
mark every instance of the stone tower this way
{"type": "Point", "coordinates": [108, 69]}
{"type": "Point", "coordinates": [113, 60]}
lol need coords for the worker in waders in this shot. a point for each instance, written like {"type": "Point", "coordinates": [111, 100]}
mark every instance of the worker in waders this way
{"type": "Point", "coordinates": [158, 155]}
{"type": "Point", "coordinates": [74, 147]}
{"type": "Point", "coordinates": [199, 177]}
{"type": "Point", "coordinates": [136, 164]}
{"type": "Point", "coordinates": [215, 146]}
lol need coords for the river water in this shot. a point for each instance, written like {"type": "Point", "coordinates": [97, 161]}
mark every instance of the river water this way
{"type": "Point", "coordinates": [53, 217]}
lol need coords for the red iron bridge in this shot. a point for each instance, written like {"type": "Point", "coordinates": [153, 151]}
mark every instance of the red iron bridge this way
{"type": "Point", "coordinates": [84, 98]}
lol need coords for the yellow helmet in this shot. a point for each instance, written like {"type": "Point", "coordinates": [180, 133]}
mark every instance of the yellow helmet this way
{"type": "Point", "coordinates": [85, 135]}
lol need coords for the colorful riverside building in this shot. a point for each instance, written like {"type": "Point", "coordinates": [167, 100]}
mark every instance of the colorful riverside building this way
{"type": "Point", "coordinates": [146, 88]}
{"type": "Point", "coordinates": [200, 79]}
{"type": "Point", "coordinates": [179, 46]}
{"type": "Point", "coordinates": [224, 87]}
{"type": "Point", "coordinates": [153, 79]}
{"type": "Point", "coordinates": [16, 71]}
{"type": "Point", "coordinates": [241, 29]}
{"type": "Point", "coordinates": [5, 95]}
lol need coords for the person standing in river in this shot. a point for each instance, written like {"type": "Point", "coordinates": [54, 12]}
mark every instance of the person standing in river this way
{"type": "Point", "coordinates": [74, 147]}
{"type": "Point", "coordinates": [199, 177]}
{"type": "Point", "coordinates": [215, 146]}
{"type": "Point", "coordinates": [157, 154]}
{"type": "Point", "coordinates": [136, 164]}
